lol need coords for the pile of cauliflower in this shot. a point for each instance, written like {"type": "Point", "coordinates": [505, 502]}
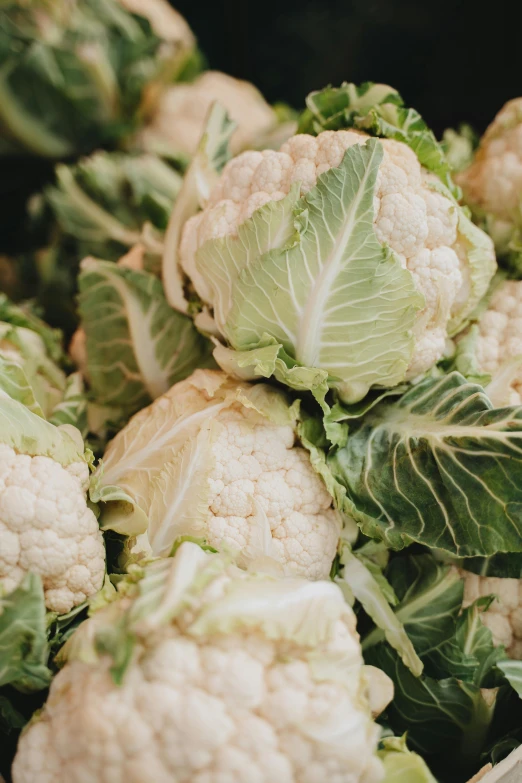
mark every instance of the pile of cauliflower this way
{"type": "Point", "coordinates": [192, 580]}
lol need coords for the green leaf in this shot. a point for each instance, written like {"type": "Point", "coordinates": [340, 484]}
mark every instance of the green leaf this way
{"type": "Point", "coordinates": [74, 75]}
{"type": "Point", "coordinates": [137, 345]}
{"type": "Point", "coordinates": [430, 599]}
{"type": "Point", "coordinates": [29, 434]}
{"type": "Point", "coordinates": [72, 409]}
{"type": "Point", "coordinates": [445, 719]}
{"type": "Point", "coordinates": [507, 566]}
{"type": "Point", "coordinates": [368, 590]}
{"type": "Point", "coordinates": [10, 717]}
{"type": "Point", "coordinates": [13, 381]}
{"type": "Point", "coordinates": [297, 297]}
{"type": "Point", "coordinates": [379, 110]}
{"type": "Point", "coordinates": [470, 655]}
{"type": "Point", "coordinates": [512, 670]}
{"type": "Point", "coordinates": [23, 637]}
{"type": "Point", "coordinates": [222, 261]}
{"type": "Point", "coordinates": [402, 765]}
{"type": "Point", "coordinates": [18, 315]}
{"type": "Point", "coordinates": [111, 201]}
{"type": "Point", "coordinates": [441, 467]}
{"type": "Point", "coordinates": [201, 176]}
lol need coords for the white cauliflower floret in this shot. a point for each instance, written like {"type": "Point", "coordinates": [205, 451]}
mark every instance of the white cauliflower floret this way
{"type": "Point", "coordinates": [214, 700]}
{"type": "Point", "coordinates": [500, 342]}
{"type": "Point", "coordinates": [504, 616]}
{"type": "Point", "coordinates": [182, 110]}
{"type": "Point", "coordinates": [493, 183]}
{"type": "Point", "coordinates": [417, 222]}
{"type": "Point", "coordinates": [47, 528]}
{"type": "Point", "coordinates": [249, 487]}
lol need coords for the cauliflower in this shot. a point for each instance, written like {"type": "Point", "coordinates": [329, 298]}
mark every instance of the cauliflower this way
{"type": "Point", "coordinates": [499, 344]}
{"type": "Point", "coordinates": [165, 21]}
{"type": "Point", "coordinates": [229, 676]}
{"type": "Point", "coordinates": [46, 526]}
{"type": "Point", "coordinates": [182, 110]}
{"type": "Point", "coordinates": [220, 460]}
{"type": "Point", "coordinates": [492, 184]}
{"type": "Point", "coordinates": [504, 616]}
{"type": "Point", "coordinates": [268, 285]}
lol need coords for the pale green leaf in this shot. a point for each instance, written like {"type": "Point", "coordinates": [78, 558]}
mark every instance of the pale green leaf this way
{"type": "Point", "coordinates": [367, 590]}
{"type": "Point", "coordinates": [137, 345]}
{"type": "Point", "coordinates": [318, 297]}
{"type": "Point", "coordinates": [202, 174]}
{"type": "Point", "coordinates": [28, 433]}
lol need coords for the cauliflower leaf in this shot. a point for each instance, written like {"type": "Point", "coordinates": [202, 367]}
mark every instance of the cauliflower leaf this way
{"type": "Point", "coordinates": [441, 467]}
{"type": "Point", "coordinates": [137, 346]}
{"type": "Point", "coordinates": [297, 296]}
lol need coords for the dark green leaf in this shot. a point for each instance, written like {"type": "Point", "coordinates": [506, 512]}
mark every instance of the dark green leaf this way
{"type": "Point", "coordinates": [445, 719]}
{"type": "Point", "coordinates": [430, 596]}
{"type": "Point", "coordinates": [440, 467]}
{"type": "Point", "coordinates": [23, 637]}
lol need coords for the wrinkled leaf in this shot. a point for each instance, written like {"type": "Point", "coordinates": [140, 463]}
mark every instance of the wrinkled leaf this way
{"type": "Point", "coordinates": [441, 467]}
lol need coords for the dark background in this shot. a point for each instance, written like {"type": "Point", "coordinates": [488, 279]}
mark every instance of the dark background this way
{"type": "Point", "coordinates": [451, 60]}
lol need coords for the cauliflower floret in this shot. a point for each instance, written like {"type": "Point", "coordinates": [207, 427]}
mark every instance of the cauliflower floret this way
{"type": "Point", "coordinates": [417, 222]}
{"type": "Point", "coordinates": [238, 702]}
{"type": "Point", "coordinates": [252, 489]}
{"type": "Point", "coordinates": [46, 527]}
{"type": "Point", "coordinates": [493, 183]}
{"type": "Point", "coordinates": [183, 108]}
{"type": "Point", "coordinates": [504, 616]}
{"type": "Point", "coordinates": [500, 341]}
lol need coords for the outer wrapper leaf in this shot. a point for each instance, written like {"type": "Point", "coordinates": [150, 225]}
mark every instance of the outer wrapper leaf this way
{"type": "Point", "coordinates": [137, 345]}
{"type": "Point", "coordinates": [441, 467]}
{"type": "Point", "coordinates": [300, 292]}
{"type": "Point", "coordinates": [29, 434]}
{"type": "Point", "coordinates": [23, 637]}
{"type": "Point", "coordinates": [378, 110]}
{"type": "Point", "coordinates": [445, 719]}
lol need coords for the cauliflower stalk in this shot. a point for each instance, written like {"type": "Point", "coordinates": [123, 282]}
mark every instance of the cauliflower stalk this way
{"type": "Point", "coordinates": [46, 525]}
{"type": "Point", "coordinates": [220, 460]}
{"type": "Point", "coordinates": [341, 260]}
{"type": "Point", "coordinates": [492, 184]}
{"type": "Point", "coordinates": [227, 676]}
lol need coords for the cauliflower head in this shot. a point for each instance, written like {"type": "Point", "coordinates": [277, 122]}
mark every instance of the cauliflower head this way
{"type": "Point", "coordinates": [230, 677]}
{"type": "Point", "coordinates": [492, 184]}
{"type": "Point", "coordinates": [504, 616]}
{"type": "Point", "coordinates": [304, 248]}
{"type": "Point", "coordinates": [180, 117]}
{"type": "Point", "coordinates": [498, 344]}
{"type": "Point", "coordinates": [46, 526]}
{"type": "Point", "coordinates": [220, 460]}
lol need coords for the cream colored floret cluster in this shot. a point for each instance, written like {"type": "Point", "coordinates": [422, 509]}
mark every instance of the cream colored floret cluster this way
{"type": "Point", "coordinates": [47, 528]}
